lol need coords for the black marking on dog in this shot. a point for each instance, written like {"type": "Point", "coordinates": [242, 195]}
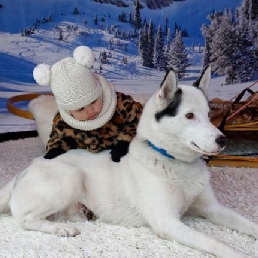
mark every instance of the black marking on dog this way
{"type": "Point", "coordinates": [165, 77]}
{"type": "Point", "coordinates": [172, 108]}
{"type": "Point", "coordinates": [197, 82]}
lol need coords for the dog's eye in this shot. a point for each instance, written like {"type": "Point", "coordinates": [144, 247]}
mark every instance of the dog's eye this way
{"type": "Point", "coordinates": [189, 116]}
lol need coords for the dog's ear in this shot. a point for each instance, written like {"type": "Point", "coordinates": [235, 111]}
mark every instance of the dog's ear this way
{"type": "Point", "coordinates": [168, 87]}
{"type": "Point", "coordinates": [204, 80]}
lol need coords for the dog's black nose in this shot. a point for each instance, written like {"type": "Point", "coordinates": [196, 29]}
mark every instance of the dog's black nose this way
{"type": "Point", "coordinates": [222, 141]}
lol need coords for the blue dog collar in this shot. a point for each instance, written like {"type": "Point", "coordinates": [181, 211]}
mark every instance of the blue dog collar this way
{"type": "Point", "coordinates": [161, 151]}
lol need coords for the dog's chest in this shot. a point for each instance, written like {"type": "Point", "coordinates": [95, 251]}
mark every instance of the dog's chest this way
{"type": "Point", "coordinates": [187, 179]}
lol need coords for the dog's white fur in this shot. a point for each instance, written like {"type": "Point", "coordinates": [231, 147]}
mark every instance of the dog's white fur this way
{"type": "Point", "coordinates": [145, 188]}
{"type": "Point", "coordinates": [43, 109]}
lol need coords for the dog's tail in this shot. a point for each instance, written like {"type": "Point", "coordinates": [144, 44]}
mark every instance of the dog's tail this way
{"type": "Point", "coordinates": [5, 196]}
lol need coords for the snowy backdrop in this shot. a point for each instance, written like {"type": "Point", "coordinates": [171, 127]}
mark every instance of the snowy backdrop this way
{"type": "Point", "coordinates": [134, 43]}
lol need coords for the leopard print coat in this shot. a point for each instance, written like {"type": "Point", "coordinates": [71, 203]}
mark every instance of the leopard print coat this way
{"type": "Point", "coordinates": [121, 127]}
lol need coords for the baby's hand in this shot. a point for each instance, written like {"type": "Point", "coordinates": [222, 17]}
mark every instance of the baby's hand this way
{"type": "Point", "coordinates": [119, 150]}
{"type": "Point", "coordinates": [52, 153]}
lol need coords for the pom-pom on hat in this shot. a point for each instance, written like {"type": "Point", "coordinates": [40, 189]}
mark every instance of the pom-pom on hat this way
{"type": "Point", "coordinates": [74, 86]}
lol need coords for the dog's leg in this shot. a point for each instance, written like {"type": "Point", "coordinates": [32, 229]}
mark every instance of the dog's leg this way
{"type": "Point", "coordinates": [208, 207]}
{"type": "Point", "coordinates": [174, 229]}
{"type": "Point", "coordinates": [163, 215]}
{"type": "Point", "coordinates": [61, 229]}
{"type": "Point", "coordinates": [38, 219]}
{"type": "Point", "coordinates": [46, 188]}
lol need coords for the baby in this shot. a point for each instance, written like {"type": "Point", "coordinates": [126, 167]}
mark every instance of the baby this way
{"type": "Point", "coordinates": [91, 114]}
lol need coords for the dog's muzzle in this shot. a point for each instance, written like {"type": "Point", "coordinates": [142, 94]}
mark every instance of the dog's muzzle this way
{"type": "Point", "coordinates": [222, 141]}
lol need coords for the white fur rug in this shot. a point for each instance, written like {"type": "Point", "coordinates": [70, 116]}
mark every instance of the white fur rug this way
{"type": "Point", "coordinates": [234, 187]}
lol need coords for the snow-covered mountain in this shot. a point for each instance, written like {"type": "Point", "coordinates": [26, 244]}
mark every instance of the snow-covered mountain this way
{"type": "Point", "coordinates": [150, 4]}
{"type": "Point", "coordinates": [189, 14]}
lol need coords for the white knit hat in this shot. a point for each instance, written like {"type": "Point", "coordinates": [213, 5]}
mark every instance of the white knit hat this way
{"type": "Point", "coordinates": [75, 86]}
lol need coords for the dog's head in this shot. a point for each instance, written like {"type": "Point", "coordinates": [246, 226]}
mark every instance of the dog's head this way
{"type": "Point", "coordinates": [176, 119]}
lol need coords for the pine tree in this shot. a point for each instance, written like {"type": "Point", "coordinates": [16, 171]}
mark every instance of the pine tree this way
{"type": "Point", "coordinates": [168, 40]}
{"type": "Point", "coordinates": [147, 45]}
{"type": "Point", "coordinates": [254, 10]}
{"type": "Point", "coordinates": [209, 32]}
{"type": "Point", "coordinates": [232, 76]}
{"type": "Point", "coordinates": [230, 42]}
{"type": "Point", "coordinates": [255, 40]}
{"type": "Point", "coordinates": [130, 18]}
{"type": "Point", "coordinates": [96, 21]}
{"type": "Point", "coordinates": [177, 56]}
{"type": "Point", "coordinates": [166, 26]}
{"type": "Point", "coordinates": [244, 18]}
{"type": "Point", "coordinates": [143, 40]}
{"type": "Point", "coordinates": [150, 45]}
{"type": "Point", "coordinates": [243, 60]}
{"type": "Point", "coordinates": [222, 45]}
{"type": "Point", "coordinates": [176, 28]}
{"type": "Point", "coordinates": [207, 54]}
{"type": "Point", "coordinates": [143, 46]}
{"type": "Point", "coordinates": [137, 20]}
{"type": "Point", "coordinates": [250, 10]}
{"type": "Point", "coordinates": [144, 22]}
{"type": "Point", "coordinates": [76, 11]}
{"type": "Point", "coordinates": [159, 57]}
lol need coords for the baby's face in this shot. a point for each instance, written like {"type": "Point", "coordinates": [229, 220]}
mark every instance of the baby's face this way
{"type": "Point", "coordinates": [88, 112]}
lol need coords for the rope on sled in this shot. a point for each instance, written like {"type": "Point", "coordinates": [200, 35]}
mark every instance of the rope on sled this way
{"type": "Point", "coordinates": [246, 88]}
{"type": "Point", "coordinates": [237, 100]}
{"type": "Point", "coordinates": [245, 105]}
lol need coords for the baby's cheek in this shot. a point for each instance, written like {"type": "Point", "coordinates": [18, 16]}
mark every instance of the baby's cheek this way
{"type": "Point", "coordinates": [80, 116]}
{"type": "Point", "coordinates": [83, 117]}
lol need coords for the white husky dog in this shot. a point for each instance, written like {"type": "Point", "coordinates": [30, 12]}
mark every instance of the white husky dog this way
{"type": "Point", "coordinates": [161, 178]}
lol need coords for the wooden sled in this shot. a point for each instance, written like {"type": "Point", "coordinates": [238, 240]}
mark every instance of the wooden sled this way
{"type": "Point", "coordinates": [238, 120]}
{"type": "Point", "coordinates": [11, 104]}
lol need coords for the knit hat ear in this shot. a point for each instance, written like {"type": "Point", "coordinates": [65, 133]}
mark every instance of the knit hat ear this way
{"type": "Point", "coordinates": [84, 56]}
{"type": "Point", "coordinates": [42, 74]}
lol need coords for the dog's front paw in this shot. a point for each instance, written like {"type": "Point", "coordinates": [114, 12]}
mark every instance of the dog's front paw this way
{"type": "Point", "coordinates": [66, 230]}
